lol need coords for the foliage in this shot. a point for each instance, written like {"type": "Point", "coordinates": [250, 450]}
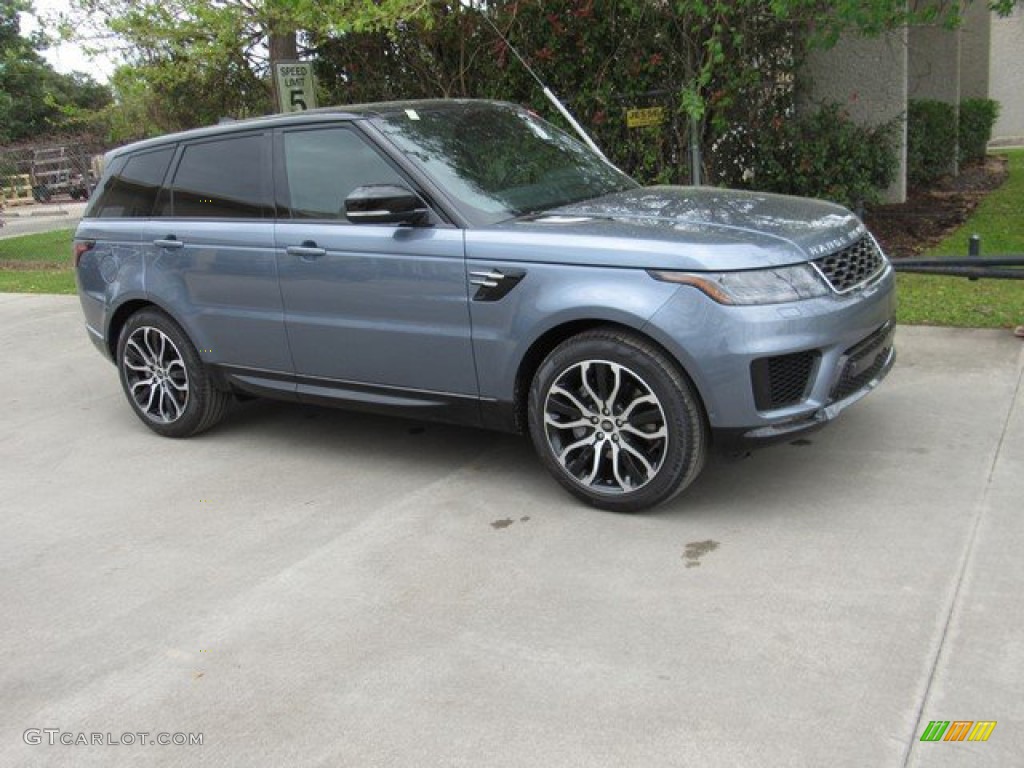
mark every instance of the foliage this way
{"type": "Point", "coordinates": [931, 140]}
{"type": "Point", "coordinates": [34, 99]}
{"type": "Point", "coordinates": [713, 65]}
{"type": "Point", "coordinates": [819, 154]}
{"type": "Point", "coordinates": [193, 62]}
{"type": "Point", "coordinates": [601, 57]}
{"type": "Point", "coordinates": [977, 116]}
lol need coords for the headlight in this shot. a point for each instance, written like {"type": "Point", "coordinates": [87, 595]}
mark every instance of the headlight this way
{"type": "Point", "coordinates": [754, 286]}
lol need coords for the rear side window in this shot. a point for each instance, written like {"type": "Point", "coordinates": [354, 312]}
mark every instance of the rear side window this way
{"type": "Point", "coordinates": [130, 191]}
{"type": "Point", "coordinates": [324, 165]}
{"type": "Point", "coordinates": [220, 179]}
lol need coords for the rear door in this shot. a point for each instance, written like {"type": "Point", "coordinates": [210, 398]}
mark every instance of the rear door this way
{"type": "Point", "coordinates": [366, 304]}
{"type": "Point", "coordinates": [213, 258]}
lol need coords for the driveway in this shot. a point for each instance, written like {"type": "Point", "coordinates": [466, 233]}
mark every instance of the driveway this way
{"type": "Point", "coordinates": [310, 587]}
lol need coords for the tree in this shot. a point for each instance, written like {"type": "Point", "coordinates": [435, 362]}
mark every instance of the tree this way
{"type": "Point", "coordinates": [202, 60]}
{"type": "Point", "coordinates": [715, 66]}
{"type": "Point", "coordinates": [34, 99]}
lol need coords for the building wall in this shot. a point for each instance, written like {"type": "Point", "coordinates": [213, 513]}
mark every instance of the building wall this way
{"type": "Point", "coordinates": [975, 51]}
{"type": "Point", "coordinates": [934, 64]}
{"type": "Point", "coordinates": [869, 77]}
{"type": "Point", "coordinates": [1006, 83]}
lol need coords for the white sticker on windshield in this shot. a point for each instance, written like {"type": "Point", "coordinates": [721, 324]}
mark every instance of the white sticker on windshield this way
{"type": "Point", "coordinates": [411, 114]}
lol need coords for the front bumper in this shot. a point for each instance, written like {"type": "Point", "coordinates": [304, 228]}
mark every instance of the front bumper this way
{"type": "Point", "coordinates": [769, 373]}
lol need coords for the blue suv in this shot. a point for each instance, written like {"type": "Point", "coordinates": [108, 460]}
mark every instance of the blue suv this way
{"type": "Point", "coordinates": [467, 261]}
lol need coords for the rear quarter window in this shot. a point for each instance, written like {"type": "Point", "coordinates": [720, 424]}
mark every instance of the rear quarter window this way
{"type": "Point", "coordinates": [131, 189]}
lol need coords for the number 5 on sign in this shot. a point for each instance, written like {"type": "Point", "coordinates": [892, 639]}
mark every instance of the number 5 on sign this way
{"type": "Point", "coordinates": [295, 92]}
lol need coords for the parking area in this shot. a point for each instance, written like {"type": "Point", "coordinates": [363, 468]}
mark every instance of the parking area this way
{"type": "Point", "coordinates": [304, 586]}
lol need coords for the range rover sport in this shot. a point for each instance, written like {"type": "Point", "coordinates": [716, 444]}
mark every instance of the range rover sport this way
{"type": "Point", "coordinates": [467, 261]}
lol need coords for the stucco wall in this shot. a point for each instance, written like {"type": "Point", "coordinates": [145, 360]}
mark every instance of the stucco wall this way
{"type": "Point", "coordinates": [975, 51]}
{"type": "Point", "coordinates": [1006, 84]}
{"type": "Point", "coordinates": [869, 77]}
{"type": "Point", "coordinates": [934, 64]}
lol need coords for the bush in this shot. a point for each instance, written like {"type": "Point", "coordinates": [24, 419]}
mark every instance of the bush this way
{"type": "Point", "coordinates": [822, 154]}
{"type": "Point", "coordinates": [977, 116]}
{"type": "Point", "coordinates": [931, 140]}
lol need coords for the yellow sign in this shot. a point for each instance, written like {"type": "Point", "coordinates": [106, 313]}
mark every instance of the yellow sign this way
{"type": "Point", "coordinates": [642, 118]}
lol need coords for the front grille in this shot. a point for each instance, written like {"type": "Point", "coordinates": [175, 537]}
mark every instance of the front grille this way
{"type": "Point", "coordinates": [864, 361]}
{"type": "Point", "coordinates": [846, 269]}
{"type": "Point", "coordinates": [782, 380]}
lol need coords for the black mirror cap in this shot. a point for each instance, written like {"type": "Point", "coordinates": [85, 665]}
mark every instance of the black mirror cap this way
{"type": "Point", "coordinates": [386, 204]}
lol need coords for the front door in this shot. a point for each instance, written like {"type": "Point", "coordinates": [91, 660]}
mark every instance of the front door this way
{"type": "Point", "coordinates": [365, 304]}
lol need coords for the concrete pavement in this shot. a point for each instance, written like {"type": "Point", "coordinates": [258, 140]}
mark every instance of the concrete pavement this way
{"type": "Point", "coordinates": [312, 587]}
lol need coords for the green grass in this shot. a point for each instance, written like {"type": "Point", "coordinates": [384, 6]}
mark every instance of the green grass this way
{"type": "Point", "coordinates": [956, 301]}
{"type": "Point", "coordinates": [37, 281]}
{"type": "Point", "coordinates": [49, 247]}
{"type": "Point", "coordinates": [37, 263]}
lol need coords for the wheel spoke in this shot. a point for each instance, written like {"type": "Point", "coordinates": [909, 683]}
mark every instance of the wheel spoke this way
{"type": "Point", "coordinates": [133, 346]}
{"type": "Point", "coordinates": [562, 392]}
{"type": "Point", "coordinates": [573, 446]}
{"type": "Point", "coordinates": [623, 482]}
{"type": "Point", "coordinates": [585, 371]}
{"type": "Point", "coordinates": [148, 407]}
{"type": "Point", "coordinates": [629, 428]}
{"type": "Point", "coordinates": [147, 340]}
{"type": "Point", "coordinates": [639, 457]}
{"type": "Point", "coordinates": [169, 394]}
{"type": "Point", "coordinates": [614, 394]}
{"type": "Point", "coordinates": [598, 458]}
{"type": "Point", "coordinates": [578, 423]}
{"type": "Point", "coordinates": [645, 399]}
{"type": "Point", "coordinates": [576, 465]}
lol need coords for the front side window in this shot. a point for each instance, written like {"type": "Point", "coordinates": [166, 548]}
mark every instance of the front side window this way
{"type": "Point", "coordinates": [221, 179]}
{"type": "Point", "coordinates": [499, 161]}
{"type": "Point", "coordinates": [131, 191]}
{"type": "Point", "coordinates": [324, 165]}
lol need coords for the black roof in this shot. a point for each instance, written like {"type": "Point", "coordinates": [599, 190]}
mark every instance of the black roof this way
{"type": "Point", "coordinates": [322, 114]}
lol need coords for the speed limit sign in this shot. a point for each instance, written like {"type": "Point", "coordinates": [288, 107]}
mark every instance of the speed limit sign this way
{"type": "Point", "coordinates": [295, 91]}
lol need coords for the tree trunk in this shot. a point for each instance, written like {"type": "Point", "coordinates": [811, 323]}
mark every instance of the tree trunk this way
{"type": "Point", "coordinates": [283, 47]}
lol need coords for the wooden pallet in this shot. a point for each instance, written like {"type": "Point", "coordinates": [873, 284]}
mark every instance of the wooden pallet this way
{"type": "Point", "coordinates": [18, 190]}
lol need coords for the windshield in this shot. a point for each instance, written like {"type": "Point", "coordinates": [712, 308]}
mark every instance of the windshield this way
{"type": "Point", "coordinates": [497, 161]}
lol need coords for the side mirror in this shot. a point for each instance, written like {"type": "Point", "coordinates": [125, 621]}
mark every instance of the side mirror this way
{"type": "Point", "coordinates": [385, 204]}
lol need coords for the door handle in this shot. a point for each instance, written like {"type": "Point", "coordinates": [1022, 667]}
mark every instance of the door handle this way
{"type": "Point", "coordinates": [169, 242]}
{"type": "Point", "coordinates": [308, 250]}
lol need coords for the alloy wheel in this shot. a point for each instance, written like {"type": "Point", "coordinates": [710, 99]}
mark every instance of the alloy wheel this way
{"type": "Point", "coordinates": [605, 426]}
{"type": "Point", "coordinates": [156, 375]}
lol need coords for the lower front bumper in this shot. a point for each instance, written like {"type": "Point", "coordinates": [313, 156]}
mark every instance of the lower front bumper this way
{"type": "Point", "coordinates": [740, 441]}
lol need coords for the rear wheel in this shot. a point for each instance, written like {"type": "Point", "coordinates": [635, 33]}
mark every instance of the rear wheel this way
{"type": "Point", "coordinates": [166, 383]}
{"type": "Point", "coordinates": [616, 422]}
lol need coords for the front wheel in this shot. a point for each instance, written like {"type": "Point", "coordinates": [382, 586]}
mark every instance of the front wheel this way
{"type": "Point", "coordinates": [166, 383]}
{"type": "Point", "coordinates": [616, 422]}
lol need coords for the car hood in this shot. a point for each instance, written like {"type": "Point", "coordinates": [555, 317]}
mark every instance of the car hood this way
{"type": "Point", "coordinates": [701, 228]}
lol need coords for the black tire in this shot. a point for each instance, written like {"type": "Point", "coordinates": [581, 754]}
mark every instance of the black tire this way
{"type": "Point", "coordinates": [163, 378]}
{"type": "Point", "coordinates": [623, 446]}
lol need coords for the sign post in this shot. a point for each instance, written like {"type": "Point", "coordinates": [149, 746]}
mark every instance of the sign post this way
{"type": "Point", "coordinates": [295, 91]}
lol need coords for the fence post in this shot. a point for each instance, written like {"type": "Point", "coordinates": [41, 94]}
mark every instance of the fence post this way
{"type": "Point", "coordinates": [974, 250]}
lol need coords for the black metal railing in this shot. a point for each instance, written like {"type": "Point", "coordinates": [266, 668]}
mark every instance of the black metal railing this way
{"type": "Point", "coordinates": [974, 267]}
